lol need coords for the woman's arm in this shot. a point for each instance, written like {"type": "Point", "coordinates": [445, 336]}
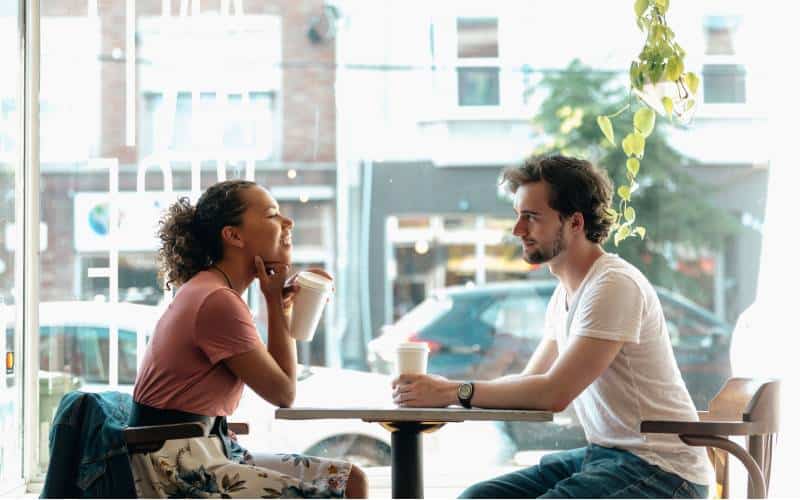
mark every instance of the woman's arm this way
{"type": "Point", "coordinates": [259, 370]}
{"type": "Point", "coordinates": [271, 370]}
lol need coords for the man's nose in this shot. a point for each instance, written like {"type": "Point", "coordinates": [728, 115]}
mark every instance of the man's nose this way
{"type": "Point", "coordinates": [518, 229]}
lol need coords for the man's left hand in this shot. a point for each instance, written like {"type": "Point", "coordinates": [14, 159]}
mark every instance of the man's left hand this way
{"type": "Point", "coordinates": [424, 391]}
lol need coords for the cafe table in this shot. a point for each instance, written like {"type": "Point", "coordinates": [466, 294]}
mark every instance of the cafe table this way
{"type": "Point", "coordinates": [407, 426]}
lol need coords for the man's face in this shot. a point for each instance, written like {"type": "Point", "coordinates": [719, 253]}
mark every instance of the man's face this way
{"type": "Point", "coordinates": [539, 227]}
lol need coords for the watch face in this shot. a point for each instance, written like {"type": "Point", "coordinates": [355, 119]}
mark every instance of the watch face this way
{"type": "Point", "coordinates": [464, 391]}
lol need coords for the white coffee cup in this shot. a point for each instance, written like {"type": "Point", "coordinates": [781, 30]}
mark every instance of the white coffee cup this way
{"type": "Point", "coordinates": [308, 304]}
{"type": "Point", "coordinates": [412, 358]}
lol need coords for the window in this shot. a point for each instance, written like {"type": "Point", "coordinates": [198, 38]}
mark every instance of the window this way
{"type": "Point", "coordinates": [209, 124]}
{"type": "Point", "coordinates": [724, 83]}
{"type": "Point", "coordinates": [724, 77]}
{"type": "Point", "coordinates": [519, 316]}
{"type": "Point", "coordinates": [82, 351]}
{"type": "Point", "coordinates": [362, 141]}
{"type": "Point", "coordinates": [478, 67]}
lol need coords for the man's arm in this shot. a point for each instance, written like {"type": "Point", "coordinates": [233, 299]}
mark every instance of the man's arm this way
{"type": "Point", "coordinates": [582, 362]}
{"type": "Point", "coordinates": [542, 359]}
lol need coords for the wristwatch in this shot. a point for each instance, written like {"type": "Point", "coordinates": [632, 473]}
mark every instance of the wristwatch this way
{"type": "Point", "coordinates": [464, 394]}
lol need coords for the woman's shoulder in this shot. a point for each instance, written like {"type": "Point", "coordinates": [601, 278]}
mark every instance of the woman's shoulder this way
{"type": "Point", "coordinates": [203, 290]}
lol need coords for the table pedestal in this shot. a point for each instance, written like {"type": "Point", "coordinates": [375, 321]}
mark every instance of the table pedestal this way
{"type": "Point", "coordinates": [407, 471]}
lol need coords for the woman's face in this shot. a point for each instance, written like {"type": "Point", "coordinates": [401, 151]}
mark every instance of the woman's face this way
{"type": "Point", "coordinates": [264, 230]}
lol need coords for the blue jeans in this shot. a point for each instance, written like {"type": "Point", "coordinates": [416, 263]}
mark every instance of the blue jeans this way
{"type": "Point", "coordinates": [591, 472]}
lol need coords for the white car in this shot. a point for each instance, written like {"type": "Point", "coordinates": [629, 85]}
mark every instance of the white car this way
{"type": "Point", "coordinates": [74, 355]}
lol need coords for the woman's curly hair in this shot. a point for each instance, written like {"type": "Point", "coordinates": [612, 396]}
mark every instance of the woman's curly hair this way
{"type": "Point", "coordinates": [191, 238]}
{"type": "Point", "coordinates": [575, 186]}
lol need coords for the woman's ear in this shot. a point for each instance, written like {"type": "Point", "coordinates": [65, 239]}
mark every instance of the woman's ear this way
{"type": "Point", "coordinates": [231, 236]}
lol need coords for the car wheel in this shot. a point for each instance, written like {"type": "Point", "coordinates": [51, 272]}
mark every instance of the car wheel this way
{"type": "Point", "coordinates": [360, 450]}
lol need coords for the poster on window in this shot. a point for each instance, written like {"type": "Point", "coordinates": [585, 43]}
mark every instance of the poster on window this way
{"type": "Point", "coordinates": [139, 214]}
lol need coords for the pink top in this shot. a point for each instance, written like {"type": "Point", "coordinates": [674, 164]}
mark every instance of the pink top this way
{"type": "Point", "coordinates": [182, 368]}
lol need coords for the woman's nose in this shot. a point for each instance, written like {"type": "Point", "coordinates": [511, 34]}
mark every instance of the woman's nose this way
{"type": "Point", "coordinates": [288, 223]}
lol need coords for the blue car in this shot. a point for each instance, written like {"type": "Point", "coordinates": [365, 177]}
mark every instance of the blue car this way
{"type": "Point", "coordinates": [484, 332]}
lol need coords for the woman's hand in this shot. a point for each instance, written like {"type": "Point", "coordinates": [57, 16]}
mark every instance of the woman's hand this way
{"type": "Point", "coordinates": [291, 287]}
{"type": "Point", "coordinates": [271, 278]}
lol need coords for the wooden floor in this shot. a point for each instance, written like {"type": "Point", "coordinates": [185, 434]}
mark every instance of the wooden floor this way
{"type": "Point", "coordinates": [438, 483]}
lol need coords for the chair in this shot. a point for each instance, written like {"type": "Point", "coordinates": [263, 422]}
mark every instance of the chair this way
{"type": "Point", "coordinates": [743, 407]}
{"type": "Point", "coordinates": [150, 438]}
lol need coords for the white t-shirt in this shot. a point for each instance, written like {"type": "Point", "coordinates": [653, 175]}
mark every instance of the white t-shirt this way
{"type": "Point", "coordinates": [616, 302]}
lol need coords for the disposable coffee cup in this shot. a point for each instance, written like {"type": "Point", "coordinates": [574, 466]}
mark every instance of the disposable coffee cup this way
{"type": "Point", "coordinates": [309, 304]}
{"type": "Point", "coordinates": [412, 358]}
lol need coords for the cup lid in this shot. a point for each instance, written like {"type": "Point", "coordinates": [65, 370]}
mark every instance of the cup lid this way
{"type": "Point", "coordinates": [413, 346]}
{"type": "Point", "coordinates": [316, 281]}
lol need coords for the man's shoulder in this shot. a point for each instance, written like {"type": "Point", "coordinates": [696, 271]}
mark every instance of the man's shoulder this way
{"type": "Point", "coordinates": [614, 271]}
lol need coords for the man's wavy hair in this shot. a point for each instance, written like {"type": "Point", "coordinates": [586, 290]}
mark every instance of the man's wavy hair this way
{"type": "Point", "coordinates": [575, 186]}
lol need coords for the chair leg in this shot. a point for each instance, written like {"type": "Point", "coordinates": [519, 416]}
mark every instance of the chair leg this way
{"type": "Point", "coordinates": [755, 446]}
{"type": "Point", "coordinates": [759, 489]}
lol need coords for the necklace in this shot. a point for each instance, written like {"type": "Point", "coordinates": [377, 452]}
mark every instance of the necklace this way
{"type": "Point", "coordinates": [230, 285]}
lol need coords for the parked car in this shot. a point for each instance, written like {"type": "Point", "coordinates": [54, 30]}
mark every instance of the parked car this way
{"type": "Point", "coordinates": [483, 332]}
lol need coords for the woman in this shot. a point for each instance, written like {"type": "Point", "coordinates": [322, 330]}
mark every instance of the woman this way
{"type": "Point", "coordinates": [206, 347]}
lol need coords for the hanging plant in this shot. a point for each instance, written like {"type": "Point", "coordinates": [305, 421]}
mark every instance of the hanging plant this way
{"type": "Point", "coordinates": [659, 85]}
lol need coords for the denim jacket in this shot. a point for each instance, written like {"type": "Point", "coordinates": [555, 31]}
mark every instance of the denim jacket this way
{"type": "Point", "coordinates": [88, 456]}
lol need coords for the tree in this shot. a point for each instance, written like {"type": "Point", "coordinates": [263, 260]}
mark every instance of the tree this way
{"type": "Point", "coordinates": [677, 210]}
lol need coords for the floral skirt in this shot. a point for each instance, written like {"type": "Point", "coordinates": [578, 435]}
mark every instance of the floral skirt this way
{"type": "Point", "coordinates": [198, 468]}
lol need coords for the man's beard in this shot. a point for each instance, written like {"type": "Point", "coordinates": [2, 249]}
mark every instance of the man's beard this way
{"type": "Point", "coordinates": [544, 254]}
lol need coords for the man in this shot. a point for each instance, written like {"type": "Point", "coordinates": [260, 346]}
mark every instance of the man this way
{"type": "Point", "coordinates": [606, 351]}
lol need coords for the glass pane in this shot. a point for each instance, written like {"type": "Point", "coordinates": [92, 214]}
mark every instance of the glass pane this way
{"type": "Point", "coordinates": [478, 86]}
{"type": "Point", "coordinates": [11, 353]}
{"type": "Point", "coordinates": [720, 34]}
{"type": "Point", "coordinates": [398, 201]}
{"type": "Point", "coordinates": [724, 83]}
{"type": "Point", "coordinates": [477, 37]}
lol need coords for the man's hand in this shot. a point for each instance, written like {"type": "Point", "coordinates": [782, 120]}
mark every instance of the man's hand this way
{"type": "Point", "coordinates": [424, 391]}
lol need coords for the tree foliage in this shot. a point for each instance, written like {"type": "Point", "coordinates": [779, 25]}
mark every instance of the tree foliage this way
{"type": "Point", "coordinates": [677, 210]}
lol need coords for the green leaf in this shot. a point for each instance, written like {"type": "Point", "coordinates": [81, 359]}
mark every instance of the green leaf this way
{"type": "Point", "coordinates": [636, 77]}
{"type": "Point", "coordinates": [627, 144]}
{"type": "Point", "coordinates": [608, 129]}
{"type": "Point", "coordinates": [611, 212]}
{"type": "Point", "coordinates": [644, 120]}
{"type": "Point", "coordinates": [624, 192]}
{"type": "Point", "coordinates": [640, 231]}
{"type": "Point", "coordinates": [639, 7]}
{"type": "Point", "coordinates": [630, 214]}
{"type": "Point", "coordinates": [633, 144]}
{"type": "Point", "coordinates": [674, 68]}
{"type": "Point", "coordinates": [622, 233]}
{"type": "Point", "coordinates": [662, 6]}
{"type": "Point", "coordinates": [633, 166]}
{"type": "Point", "coordinates": [667, 103]}
{"type": "Point", "coordinates": [656, 71]}
{"type": "Point", "coordinates": [693, 82]}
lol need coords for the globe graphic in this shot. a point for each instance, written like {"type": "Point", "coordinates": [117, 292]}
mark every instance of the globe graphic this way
{"type": "Point", "coordinates": [98, 219]}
